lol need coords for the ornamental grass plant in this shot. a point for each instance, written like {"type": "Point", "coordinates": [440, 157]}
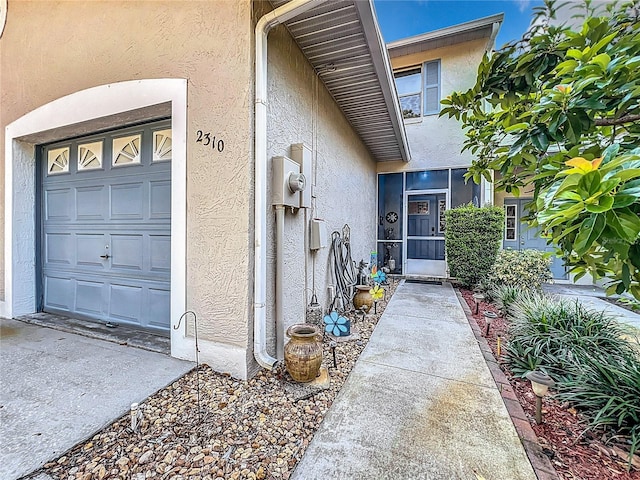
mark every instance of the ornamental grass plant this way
{"type": "Point", "coordinates": [586, 352]}
{"type": "Point", "coordinates": [504, 296]}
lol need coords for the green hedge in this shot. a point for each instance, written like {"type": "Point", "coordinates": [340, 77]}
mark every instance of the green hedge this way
{"type": "Point", "coordinates": [472, 239]}
{"type": "Point", "coordinates": [526, 269]}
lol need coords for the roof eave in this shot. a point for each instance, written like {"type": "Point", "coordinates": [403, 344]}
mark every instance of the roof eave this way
{"type": "Point", "coordinates": [342, 42]}
{"type": "Point", "coordinates": [382, 65]}
{"type": "Point", "coordinates": [452, 31]}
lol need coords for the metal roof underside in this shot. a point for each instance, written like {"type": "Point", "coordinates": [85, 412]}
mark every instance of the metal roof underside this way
{"type": "Point", "coordinates": [341, 40]}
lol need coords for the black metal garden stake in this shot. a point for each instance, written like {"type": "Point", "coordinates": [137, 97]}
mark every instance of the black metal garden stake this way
{"type": "Point", "coordinates": [333, 346]}
{"type": "Point", "coordinates": [195, 326]}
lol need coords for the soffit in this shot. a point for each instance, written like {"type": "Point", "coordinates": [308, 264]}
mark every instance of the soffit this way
{"type": "Point", "coordinates": [342, 41]}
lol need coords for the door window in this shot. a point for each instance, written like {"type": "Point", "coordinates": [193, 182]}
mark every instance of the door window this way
{"type": "Point", "coordinates": [510, 218]}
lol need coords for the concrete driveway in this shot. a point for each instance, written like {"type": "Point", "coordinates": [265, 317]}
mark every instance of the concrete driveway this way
{"type": "Point", "coordinates": [58, 388]}
{"type": "Point", "coordinates": [593, 297]}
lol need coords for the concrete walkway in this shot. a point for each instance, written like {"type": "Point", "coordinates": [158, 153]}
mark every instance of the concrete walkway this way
{"type": "Point", "coordinates": [58, 388]}
{"type": "Point", "coordinates": [419, 404]}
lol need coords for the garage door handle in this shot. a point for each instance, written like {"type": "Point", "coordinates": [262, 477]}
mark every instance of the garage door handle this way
{"type": "Point", "coordinates": [105, 256]}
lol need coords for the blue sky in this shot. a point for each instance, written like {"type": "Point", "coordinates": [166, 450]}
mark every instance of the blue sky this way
{"type": "Point", "coordinates": [405, 18]}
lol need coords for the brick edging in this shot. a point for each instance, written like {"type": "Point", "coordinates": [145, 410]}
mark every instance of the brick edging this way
{"type": "Point", "coordinates": [541, 464]}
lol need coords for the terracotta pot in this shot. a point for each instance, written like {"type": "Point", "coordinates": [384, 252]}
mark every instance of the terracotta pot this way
{"type": "Point", "coordinates": [363, 297]}
{"type": "Point", "coordinates": [303, 353]}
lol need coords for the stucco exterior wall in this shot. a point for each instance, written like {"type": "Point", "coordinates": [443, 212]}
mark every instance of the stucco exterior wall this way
{"type": "Point", "coordinates": [437, 142]}
{"type": "Point", "coordinates": [344, 181]}
{"type": "Point", "coordinates": [50, 49]}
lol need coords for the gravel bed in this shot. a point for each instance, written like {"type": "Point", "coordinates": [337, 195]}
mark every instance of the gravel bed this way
{"type": "Point", "coordinates": [253, 429]}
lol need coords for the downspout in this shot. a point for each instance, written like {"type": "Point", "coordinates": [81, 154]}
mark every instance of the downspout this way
{"type": "Point", "coordinates": [495, 28]}
{"type": "Point", "coordinates": [264, 25]}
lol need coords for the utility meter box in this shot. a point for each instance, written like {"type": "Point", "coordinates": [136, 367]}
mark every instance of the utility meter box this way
{"type": "Point", "coordinates": [301, 154]}
{"type": "Point", "coordinates": [288, 182]}
{"type": "Point", "coordinates": [318, 235]}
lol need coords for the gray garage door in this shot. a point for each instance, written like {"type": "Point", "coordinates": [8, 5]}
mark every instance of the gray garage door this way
{"type": "Point", "coordinates": [106, 226]}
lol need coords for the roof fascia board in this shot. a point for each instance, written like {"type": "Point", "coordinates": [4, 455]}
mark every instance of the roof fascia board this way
{"type": "Point", "coordinates": [382, 65]}
{"type": "Point", "coordinates": [452, 31]}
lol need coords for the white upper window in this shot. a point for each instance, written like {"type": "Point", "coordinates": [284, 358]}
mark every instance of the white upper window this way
{"type": "Point", "coordinates": [419, 89]}
{"type": "Point", "coordinates": [408, 83]}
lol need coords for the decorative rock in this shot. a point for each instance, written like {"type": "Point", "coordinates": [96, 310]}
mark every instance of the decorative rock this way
{"type": "Point", "coordinates": [197, 458]}
{"type": "Point", "coordinates": [102, 471]}
{"type": "Point", "coordinates": [146, 457]}
{"type": "Point", "coordinates": [260, 433]}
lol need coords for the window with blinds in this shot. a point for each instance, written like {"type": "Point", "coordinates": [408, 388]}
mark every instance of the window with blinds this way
{"type": "Point", "coordinates": [409, 86]}
{"type": "Point", "coordinates": [419, 89]}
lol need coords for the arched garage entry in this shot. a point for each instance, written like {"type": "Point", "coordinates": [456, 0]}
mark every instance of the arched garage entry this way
{"type": "Point", "coordinates": [81, 113]}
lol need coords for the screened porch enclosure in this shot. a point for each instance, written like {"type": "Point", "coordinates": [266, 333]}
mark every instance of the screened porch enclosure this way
{"type": "Point", "coordinates": [411, 218]}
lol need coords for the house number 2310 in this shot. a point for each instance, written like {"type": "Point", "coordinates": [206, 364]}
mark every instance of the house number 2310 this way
{"type": "Point", "coordinates": [206, 139]}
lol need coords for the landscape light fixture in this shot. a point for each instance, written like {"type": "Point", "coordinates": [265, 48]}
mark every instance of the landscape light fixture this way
{"type": "Point", "coordinates": [540, 383]}
{"type": "Point", "coordinates": [489, 317]}
{"type": "Point", "coordinates": [477, 298]}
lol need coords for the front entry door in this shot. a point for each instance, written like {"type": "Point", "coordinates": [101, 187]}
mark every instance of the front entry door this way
{"type": "Point", "coordinates": [520, 236]}
{"type": "Point", "coordinates": [425, 233]}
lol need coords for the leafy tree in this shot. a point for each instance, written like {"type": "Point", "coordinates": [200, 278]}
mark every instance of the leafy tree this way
{"type": "Point", "coordinates": [558, 112]}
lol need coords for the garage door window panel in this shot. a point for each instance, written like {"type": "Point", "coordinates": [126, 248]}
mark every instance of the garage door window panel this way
{"type": "Point", "coordinates": [90, 156]}
{"type": "Point", "coordinates": [58, 161]}
{"type": "Point", "coordinates": [162, 145]}
{"type": "Point", "coordinates": [126, 150]}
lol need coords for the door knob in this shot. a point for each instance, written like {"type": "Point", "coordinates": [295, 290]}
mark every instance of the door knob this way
{"type": "Point", "coordinates": [105, 256]}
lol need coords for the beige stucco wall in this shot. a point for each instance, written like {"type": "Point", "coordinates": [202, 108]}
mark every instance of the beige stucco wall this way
{"type": "Point", "coordinates": [50, 49]}
{"type": "Point", "coordinates": [437, 142]}
{"type": "Point", "coordinates": [301, 110]}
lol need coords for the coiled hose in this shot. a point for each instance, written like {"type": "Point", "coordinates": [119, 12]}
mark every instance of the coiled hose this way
{"type": "Point", "coordinates": [344, 273]}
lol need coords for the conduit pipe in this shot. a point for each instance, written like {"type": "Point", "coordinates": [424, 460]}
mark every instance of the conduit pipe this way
{"type": "Point", "coordinates": [264, 25]}
{"type": "Point", "coordinates": [279, 280]}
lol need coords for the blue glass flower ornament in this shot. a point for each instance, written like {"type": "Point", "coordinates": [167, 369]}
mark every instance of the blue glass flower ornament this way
{"type": "Point", "coordinates": [337, 325]}
{"type": "Point", "coordinates": [379, 276]}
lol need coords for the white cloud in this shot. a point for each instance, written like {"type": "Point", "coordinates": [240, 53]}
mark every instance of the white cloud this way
{"type": "Point", "coordinates": [523, 5]}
